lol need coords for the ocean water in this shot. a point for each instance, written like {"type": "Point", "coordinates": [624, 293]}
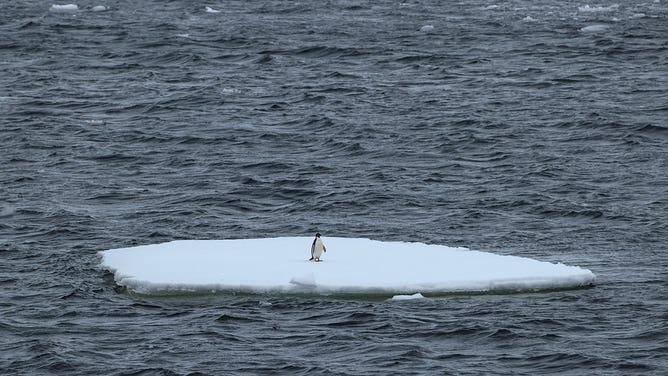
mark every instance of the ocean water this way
{"type": "Point", "coordinates": [529, 128]}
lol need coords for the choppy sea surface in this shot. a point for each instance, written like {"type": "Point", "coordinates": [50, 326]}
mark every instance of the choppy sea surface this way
{"type": "Point", "coordinates": [529, 128]}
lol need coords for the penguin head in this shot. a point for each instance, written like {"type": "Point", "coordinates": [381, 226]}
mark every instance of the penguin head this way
{"type": "Point", "coordinates": [317, 234]}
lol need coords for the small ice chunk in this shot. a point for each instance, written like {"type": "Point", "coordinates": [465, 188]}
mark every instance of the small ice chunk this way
{"type": "Point", "coordinates": [427, 28]}
{"type": "Point", "coordinates": [417, 295]}
{"type": "Point", "coordinates": [7, 211]}
{"type": "Point", "coordinates": [529, 19]}
{"type": "Point", "coordinates": [594, 28]}
{"type": "Point", "coordinates": [64, 8]}
{"type": "Point", "coordinates": [99, 8]}
{"type": "Point", "coordinates": [587, 8]}
{"type": "Point", "coordinates": [211, 10]}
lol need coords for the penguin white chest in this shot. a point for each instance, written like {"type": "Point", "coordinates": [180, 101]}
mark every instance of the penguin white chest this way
{"type": "Point", "coordinates": [318, 247]}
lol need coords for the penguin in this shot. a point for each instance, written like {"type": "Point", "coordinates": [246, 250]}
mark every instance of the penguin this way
{"type": "Point", "coordinates": [317, 248]}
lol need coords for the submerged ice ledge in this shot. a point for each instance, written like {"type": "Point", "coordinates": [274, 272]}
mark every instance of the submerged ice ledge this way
{"type": "Point", "coordinates": [357, 266]}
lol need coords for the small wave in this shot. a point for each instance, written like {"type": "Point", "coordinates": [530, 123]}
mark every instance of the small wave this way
{"type": "Point", "coordinates": [269, 166]}
{"type": "Point", "coordinates": [325, 51]}
{"type": "Point", "coordinates": [227, 318]}
{"type": "Point", "coordinates": [354, 319]}
{"type": "Point", "coordinates": [652, 129]}
{"type": "Point", "coordinates": [29, 25]}
{"type": "Point", "coordinates": [264, 59]}
{"type": "Point", "coordinates": [337, 74]}
{"type": "Point", "coordinates": [416, 58]}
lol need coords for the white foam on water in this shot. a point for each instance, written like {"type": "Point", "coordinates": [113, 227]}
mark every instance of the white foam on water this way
{"type": "Point", "coordinates": [350, 265]}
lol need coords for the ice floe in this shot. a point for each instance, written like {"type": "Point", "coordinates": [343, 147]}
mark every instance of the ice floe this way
{"type": "Point", "coordinates": [350, 265]}
{"type": "Point", "coordinates": [587, 8]}
{"type": "Point", "coordinates": [594, 28]}
{"type": "Point", "coordinates": [427, 28]}
{"type": "Point", "coordinates": [64, 8]}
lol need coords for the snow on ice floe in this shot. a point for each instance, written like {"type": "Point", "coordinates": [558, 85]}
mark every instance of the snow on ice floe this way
{"type": "Point", "coordinates": [350, 265]}
{"type": "Point", "coordinates": [64, 8]}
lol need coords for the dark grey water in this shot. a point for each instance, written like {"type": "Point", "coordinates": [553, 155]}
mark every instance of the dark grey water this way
{"type": "Point", "coordinates": [532, 128]}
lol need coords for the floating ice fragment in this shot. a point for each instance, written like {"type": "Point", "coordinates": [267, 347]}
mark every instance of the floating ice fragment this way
{"type": "Point", "coordinates": [427, 28]}
{"type": "Point", "coordinates": [64, 8]}
{"type": "Point", "coordinates": [7, 211]}
{"type": "Point", "coordinates": [211, 10]}
{"type": "Point", "coordinates": [594, 28]}
{"type": "Point", "coordinates": [529, 19]}
{"type": "Point", "coordinates": [408, 297]}
{"type": "Point", "coordinates": [99, 8]}
{"type": "Point", "coordinates": [350, 265]}
{"type": "Point", "coordinates": [587, 8]}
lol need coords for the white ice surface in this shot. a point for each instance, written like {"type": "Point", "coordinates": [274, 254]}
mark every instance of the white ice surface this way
{"type": "Point", "coordinates": [427, 28]}
{"type": "Point", "coordinates": [349, 266]}
{"type": "Point", "coordinates": [417, 295]}
{"type": "Point", "coordinates": [594, 28]}
{"type": "Point", "coordinates": [587, 8]}
{"type": "Point", "coordinates": [64, 8]}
